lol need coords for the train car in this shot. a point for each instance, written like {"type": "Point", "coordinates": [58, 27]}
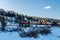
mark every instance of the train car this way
{"type": "Point", "coordinates": [58, 23]}
{"type": "Point", "coordinates": [45, 23]}
{"type": "Point", "coordinates": [36, 23]}
{"type": "Point", "coordinates": [25, 23]}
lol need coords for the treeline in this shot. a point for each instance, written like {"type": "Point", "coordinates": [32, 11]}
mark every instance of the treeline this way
{"type": "Point", "coordinates": [18, 16]}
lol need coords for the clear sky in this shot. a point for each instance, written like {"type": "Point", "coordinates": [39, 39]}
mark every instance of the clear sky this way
{"type": "Point", "coordinates": [40, 8]}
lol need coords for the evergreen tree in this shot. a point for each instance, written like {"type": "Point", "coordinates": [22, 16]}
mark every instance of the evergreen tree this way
{"type": "Point", "coordinates": [2, 12]}
{"type": "Point", "coordinates": [10, 13]}
{"type": "Point", "coordinates": [3, 24]}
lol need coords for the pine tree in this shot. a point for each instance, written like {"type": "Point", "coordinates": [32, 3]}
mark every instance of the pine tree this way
{"type": "Point", "coordinates": [3, 24]}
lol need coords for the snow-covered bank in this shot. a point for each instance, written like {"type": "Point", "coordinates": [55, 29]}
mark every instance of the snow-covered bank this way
{"type": "Point", "coordinates": [55, 35]}
{"type": "Point", "coordinates": [9, 36]}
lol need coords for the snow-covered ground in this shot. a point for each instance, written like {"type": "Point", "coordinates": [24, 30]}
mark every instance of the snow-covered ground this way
{"type": "Point", "coordinates": [55, 35]}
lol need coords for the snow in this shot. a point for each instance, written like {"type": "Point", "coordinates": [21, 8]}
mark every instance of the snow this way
{"type": "Point", "coordinates": [9, 36]}
{"type": "Point", "coordinates": [11, 26]}
{"type": "Point", "coordinates": [55, 31]}
{"type": "Point", "coordinates": [55, 35]}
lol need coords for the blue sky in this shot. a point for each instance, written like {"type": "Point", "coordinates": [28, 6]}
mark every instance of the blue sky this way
{"type": "Point", "coordinates": [40, 8]}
